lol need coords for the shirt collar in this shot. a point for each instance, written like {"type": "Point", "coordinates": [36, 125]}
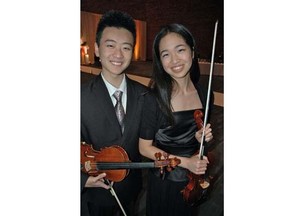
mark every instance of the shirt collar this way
{"type": "Point", "coordinates": [112, 89]}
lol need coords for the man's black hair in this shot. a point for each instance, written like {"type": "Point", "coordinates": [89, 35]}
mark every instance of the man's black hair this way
{"type": "Point", "coordinates": [118, 19]}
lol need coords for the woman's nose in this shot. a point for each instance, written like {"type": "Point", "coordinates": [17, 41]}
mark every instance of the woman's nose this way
{"type": "Point", "coordinates": [174, 58]}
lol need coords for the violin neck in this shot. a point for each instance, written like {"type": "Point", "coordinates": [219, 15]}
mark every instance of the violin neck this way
{"type": "Point", "coordinates": [123, 165]}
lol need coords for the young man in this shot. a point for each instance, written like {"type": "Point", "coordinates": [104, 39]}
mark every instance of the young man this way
{"type": "Point", "coordinates": [115, 41]}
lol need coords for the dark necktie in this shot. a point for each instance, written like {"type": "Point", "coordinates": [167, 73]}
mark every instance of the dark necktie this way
{"type": "Point", "coordinates": [119, 109]}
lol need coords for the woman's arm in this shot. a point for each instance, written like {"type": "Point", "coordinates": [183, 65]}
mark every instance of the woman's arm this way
{"type": "Point", "coordinates": [193, 163]}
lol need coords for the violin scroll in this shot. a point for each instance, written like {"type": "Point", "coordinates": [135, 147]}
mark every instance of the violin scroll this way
{"type": "Point", "coordinates": [198, 115]}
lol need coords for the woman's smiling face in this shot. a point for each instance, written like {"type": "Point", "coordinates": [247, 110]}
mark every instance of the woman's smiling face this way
{"type": "Point", "coordinates": [176, 55]}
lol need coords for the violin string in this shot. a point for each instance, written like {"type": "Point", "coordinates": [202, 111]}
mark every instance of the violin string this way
{"type": "Point", "coordinates": [128, 165]}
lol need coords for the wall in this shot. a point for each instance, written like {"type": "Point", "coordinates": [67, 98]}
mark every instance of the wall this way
{"type": "Point", "coordinates": [197, 15]}
{"type": "Point", "coordinates": [89, 22]}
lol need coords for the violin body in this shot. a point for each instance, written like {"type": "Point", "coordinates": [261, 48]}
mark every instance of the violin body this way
{"type": "Point", "coordinates": [90, 158]}
{"type": "Point", "coordinates": [196, 191]}
{"type": "Point", "coordinates": [114, 161]}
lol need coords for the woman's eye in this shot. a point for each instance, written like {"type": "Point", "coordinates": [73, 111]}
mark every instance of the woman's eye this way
{"type": "Point", "coordinates": [164, 55]}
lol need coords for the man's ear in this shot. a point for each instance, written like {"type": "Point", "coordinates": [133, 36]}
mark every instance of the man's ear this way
{"type": "Point", "coordinates": [96, 49]}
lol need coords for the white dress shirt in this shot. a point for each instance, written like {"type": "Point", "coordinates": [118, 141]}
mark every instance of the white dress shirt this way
{"type": "Point", "coordinates": [112, 89]}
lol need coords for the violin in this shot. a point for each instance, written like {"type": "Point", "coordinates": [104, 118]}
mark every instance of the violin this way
{"type": "Point", "coordinates": [197, 188]}
{"type": "Point", "coordinates": [114, 161]}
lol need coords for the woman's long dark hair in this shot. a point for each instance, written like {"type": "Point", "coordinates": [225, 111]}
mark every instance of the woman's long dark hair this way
{"type": "Point", "coordinates": [162, 81]}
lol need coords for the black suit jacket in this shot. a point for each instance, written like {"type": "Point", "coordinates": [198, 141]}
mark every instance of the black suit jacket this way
{"type": "Point", "coordinates": [100, 127]}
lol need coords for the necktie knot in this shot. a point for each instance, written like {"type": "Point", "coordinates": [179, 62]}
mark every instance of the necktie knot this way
{"type": "Point", "coordinates": [118, 95]}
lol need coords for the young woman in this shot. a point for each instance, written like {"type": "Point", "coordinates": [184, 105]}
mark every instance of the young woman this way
{"type": "Point", "coordinates": [168, 124]}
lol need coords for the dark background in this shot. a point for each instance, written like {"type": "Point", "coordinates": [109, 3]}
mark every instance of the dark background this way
{"type": "Point", "coordinates": [197, 15]}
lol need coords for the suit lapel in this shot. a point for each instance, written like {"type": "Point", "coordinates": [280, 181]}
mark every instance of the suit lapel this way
{"type": "Point", "coordinates": [132, 107]}
{"type": "Point", "coordinates": [106, 105]}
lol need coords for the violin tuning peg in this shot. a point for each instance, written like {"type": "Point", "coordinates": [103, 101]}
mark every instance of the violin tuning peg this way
{"type": "Point", "coordinates": [174, 162]}
{"type": "Point", "coordinates": [158, 156]}
{"type": "Point", "coordinates": [165, 155]}
{"type": "Point", "coordinates": [169, 169]}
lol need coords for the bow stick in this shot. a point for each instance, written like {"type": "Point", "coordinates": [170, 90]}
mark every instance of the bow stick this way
{"type": "Point", "coordinates": [116, 197]}
{"type": "Point", "coordinates": [201, 152]}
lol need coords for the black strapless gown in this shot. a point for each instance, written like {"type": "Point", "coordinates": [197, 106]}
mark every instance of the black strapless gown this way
{"type": "Point", "coordinates": [178, 140]}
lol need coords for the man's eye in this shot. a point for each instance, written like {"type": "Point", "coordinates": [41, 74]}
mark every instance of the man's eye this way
{"type": "Point", "coordinates": [127, 48]}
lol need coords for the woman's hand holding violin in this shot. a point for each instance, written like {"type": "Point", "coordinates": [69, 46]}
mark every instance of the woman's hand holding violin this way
{"type": "Point", "coordinates": [97, 181]}
{"type": "Point", "coordinates": [197, 166]}
{"type": "Point", "coordinates": [208, 134]}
